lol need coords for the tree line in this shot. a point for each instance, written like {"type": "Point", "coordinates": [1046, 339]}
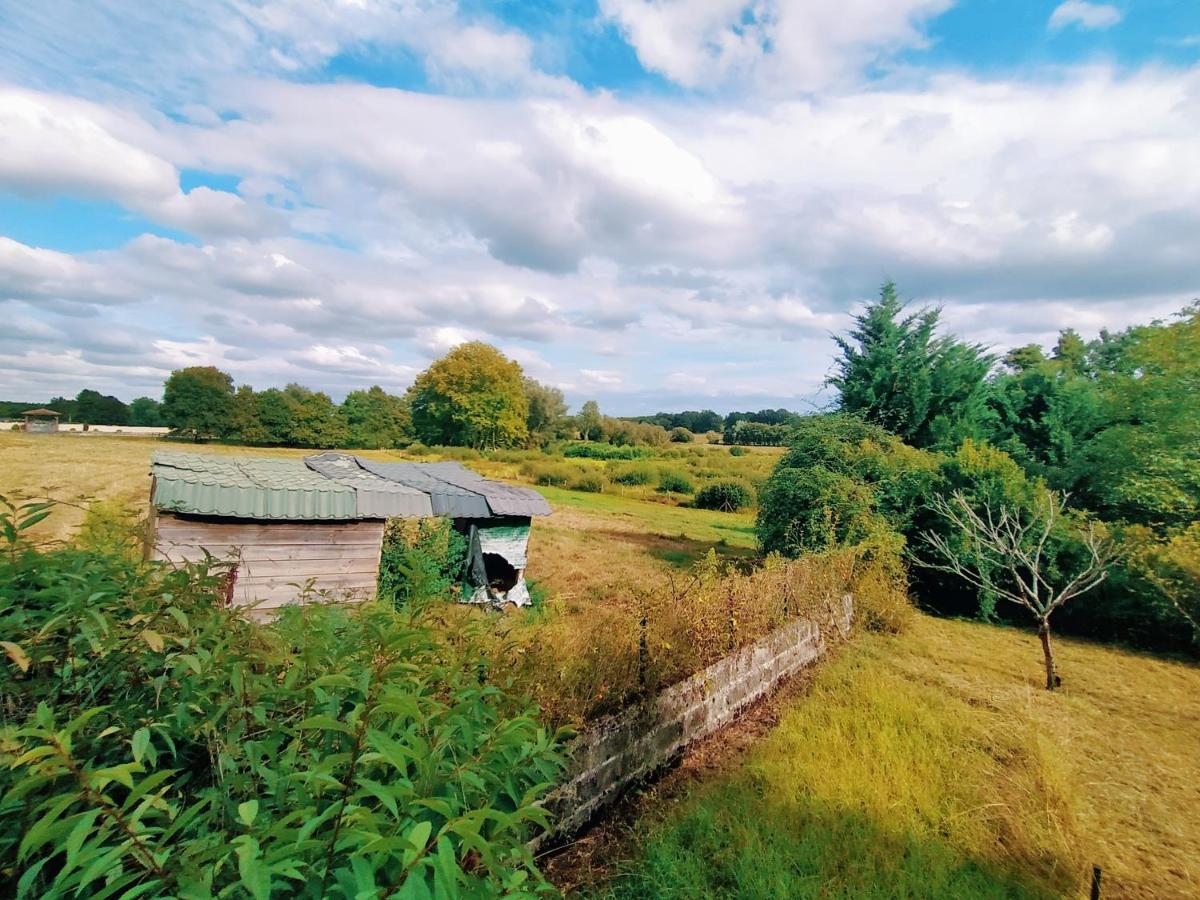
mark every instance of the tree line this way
{"type": "Point", "coordinates": [93, 408]}
{"type": "Point", "coordinates": [474, 396]}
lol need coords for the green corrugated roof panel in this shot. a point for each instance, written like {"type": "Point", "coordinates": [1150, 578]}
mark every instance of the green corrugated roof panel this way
{"type": "Point", "coordinates": [248, 488]}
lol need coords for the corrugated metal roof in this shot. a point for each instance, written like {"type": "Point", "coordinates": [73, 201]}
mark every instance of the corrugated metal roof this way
{"type": "Point", "coordinates": [446, 499]}
{"type": "Point", "coordinates": [332, 486]}
{"type": "Point", "coordinates": [503, 499]}
{"type": "Point", "coordinates": [248, 488]}
{"type": "Point", "coordinates": [378, 498]}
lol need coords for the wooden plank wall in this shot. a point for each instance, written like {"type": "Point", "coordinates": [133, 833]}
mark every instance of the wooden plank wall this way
{"type": "Point", "coordinates": [340, 557]}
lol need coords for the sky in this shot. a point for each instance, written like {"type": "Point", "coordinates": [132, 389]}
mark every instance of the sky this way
{"type": "Point", "coordinates": [658, 204]}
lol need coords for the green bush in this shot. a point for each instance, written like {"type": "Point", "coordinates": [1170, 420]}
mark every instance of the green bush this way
{"type": "Point", "coordinates": [681, 436]}
{"type": "Point", "coordinates": [633, 475]}
{"type": "Point", "coordinates": [157, 743]}
{"type": "Point", "coordinates": [737, 451]}
{"type": "Point", "coordinates": [421, 559]}
{"type": "Point", "coordinates": [726, 496]}
{"type": "Point", "coordinates": [549, 474]}
{"type": "Point", "coordinates": [589, 482]}
{"type": "Point", "coordinates": [604, 451]}
{"type": "Point", "coordinates": [672, 481]}
{"type": "Point", "coordinates": [810, 511]}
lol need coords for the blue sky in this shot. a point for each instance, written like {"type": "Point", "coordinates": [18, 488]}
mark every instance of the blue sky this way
{"type": "Point", "coordinates": [654, 203]}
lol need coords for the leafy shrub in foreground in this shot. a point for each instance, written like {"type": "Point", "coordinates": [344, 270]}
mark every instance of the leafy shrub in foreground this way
{"type": "Point", "coordinates": [726, 496]}
{"type": "Point", "coordinates": [156, 743]}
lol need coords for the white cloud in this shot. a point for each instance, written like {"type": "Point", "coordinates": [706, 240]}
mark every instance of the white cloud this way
{"type": "Point", "coordinates": [780, 46]}
{"type": "Point", "coordinates": [54, 145]}
{"type": "Point", "coordinates": [1090, 16]}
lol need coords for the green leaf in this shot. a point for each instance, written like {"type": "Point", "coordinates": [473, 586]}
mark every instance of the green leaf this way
{"type": "Point", "coordinates": [140, 743]}
{"type": "Point", "coordinates": [254, 875]}
{"type": "Point", "coordinates": [247, 812]}
{"type": "Point", "coordinates": [417, 837]}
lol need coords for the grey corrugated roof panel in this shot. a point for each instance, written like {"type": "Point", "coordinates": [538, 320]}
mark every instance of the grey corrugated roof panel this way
{"type": "Point", "coordinates": [445, 498]}
{"type": "Point", "coordinates": [378, 498]}
{"type": "Point", "coordinates": [248, 488]}
{"type": "Point", "coordinates": [503, 499]}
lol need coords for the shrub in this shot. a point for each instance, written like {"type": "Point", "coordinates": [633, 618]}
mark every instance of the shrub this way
{"type": "Point", "coordinates": [549, 474]}
{"type": "Point", "coordinates": [735, 450]}
{"type": "Point", "coordinates": [681, 436]}
{"type": "Point", "coordinates": [633, 475]}
{"type": "Point", "coordinates": [672, 481]}
{"type": "Point", "coordinates": [336, 752]}
{"type": "Point", "coordinates": [726, 496]}
{"type": "Point", "coordinates": [604, 451]}
{"type": "Point", "coordinates": [815, 510]}
{"type": "Point", "coordinates": [111, 526]}
{"type": "Point", "coordinates": [589, 482]}
{"type": "Point", "coordinates": [421, 559]}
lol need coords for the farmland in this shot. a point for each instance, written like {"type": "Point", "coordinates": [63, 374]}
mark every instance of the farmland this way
{"type": "Point", "coordinates": [928, 760]}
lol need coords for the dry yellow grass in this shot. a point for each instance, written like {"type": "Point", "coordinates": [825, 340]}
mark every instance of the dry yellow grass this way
{"type": "Point", "coordinates": [933, 764]}
{"type": "Point", "coordinates": [593, 547]}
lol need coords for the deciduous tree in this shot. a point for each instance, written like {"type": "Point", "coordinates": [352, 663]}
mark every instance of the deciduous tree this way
{"type": "Point", "coordinates": [472, 396]}
{"type": "Point", "coordinates": [197, 401]}
{"type": "Point", "coordinates": [1006, 554]}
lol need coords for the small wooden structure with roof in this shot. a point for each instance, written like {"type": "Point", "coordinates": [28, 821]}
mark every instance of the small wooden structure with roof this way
{"type": "Point", "coordinates": [321, 519]}
{"type": "Point", "coordinates": [41, 420]}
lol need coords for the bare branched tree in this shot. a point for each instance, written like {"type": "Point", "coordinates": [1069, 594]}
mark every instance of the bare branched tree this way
{"type": "Point", "coordinates": [1005, 553]}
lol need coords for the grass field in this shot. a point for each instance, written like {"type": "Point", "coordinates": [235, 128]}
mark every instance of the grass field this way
{"type": "Point", "coordinates": [931, 764]}
{"type": "Point", "coordinates": [593, 547]}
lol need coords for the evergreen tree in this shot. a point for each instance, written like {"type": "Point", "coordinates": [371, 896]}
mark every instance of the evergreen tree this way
{"type": "Point", "coordinates": [897, 373]}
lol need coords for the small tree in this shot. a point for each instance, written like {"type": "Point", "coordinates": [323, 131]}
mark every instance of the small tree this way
{"type": "Point", "coordinates": [1006, 553]}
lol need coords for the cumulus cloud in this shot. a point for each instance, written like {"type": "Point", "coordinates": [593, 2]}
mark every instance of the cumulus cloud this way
{"type": "Point", "coordinates": [1080, 13]}
{"type": "Point", "coordinates": [53, 145]}
{"type": "Point", "coordinates": [779, 45]}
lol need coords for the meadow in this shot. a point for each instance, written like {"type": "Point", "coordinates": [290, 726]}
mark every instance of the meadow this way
{"type": "Point", "coordinates": [925, 763]}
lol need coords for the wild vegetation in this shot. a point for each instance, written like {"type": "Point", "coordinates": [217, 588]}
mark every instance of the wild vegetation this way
{"type": "Point", "coordinates": [153, 740]}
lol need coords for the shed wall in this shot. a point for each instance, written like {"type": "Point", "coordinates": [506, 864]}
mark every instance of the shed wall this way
{"type": "Point", "coordinates": [340, 557]}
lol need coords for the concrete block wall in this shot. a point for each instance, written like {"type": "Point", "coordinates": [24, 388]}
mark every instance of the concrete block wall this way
{"type": "Point", "coordinates": [617, 752]}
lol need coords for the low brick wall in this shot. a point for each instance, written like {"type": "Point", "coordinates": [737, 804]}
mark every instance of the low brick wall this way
{"type": "Point", "coordinates": [623, 749]}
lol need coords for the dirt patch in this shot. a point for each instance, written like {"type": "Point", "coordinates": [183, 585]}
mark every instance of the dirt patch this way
{"type": "Point", "coordinates": [594, 856]}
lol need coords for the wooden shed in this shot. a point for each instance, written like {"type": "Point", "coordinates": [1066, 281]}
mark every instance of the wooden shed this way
{"type": "Point", "coordinates": [41, 421]}
{"type": "Point", "coordinates": [288, 521]}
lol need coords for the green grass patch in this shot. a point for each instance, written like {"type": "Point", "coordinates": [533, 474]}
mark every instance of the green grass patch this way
{"type": "Point", "coordinates": [735, 529]}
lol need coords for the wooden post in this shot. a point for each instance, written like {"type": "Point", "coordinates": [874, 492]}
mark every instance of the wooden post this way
{"type": "Point", "coordinates": [1095, 895]}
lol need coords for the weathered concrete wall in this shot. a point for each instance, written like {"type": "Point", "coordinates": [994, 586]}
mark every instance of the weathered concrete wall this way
{"type": "Point", "coordinates": [621, 750]}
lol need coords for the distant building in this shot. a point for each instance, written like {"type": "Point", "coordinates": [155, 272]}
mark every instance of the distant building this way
{"type": "Point", "coordinates": [288, 522]}
{"type": "Point", "coordinates": [41, 421]}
